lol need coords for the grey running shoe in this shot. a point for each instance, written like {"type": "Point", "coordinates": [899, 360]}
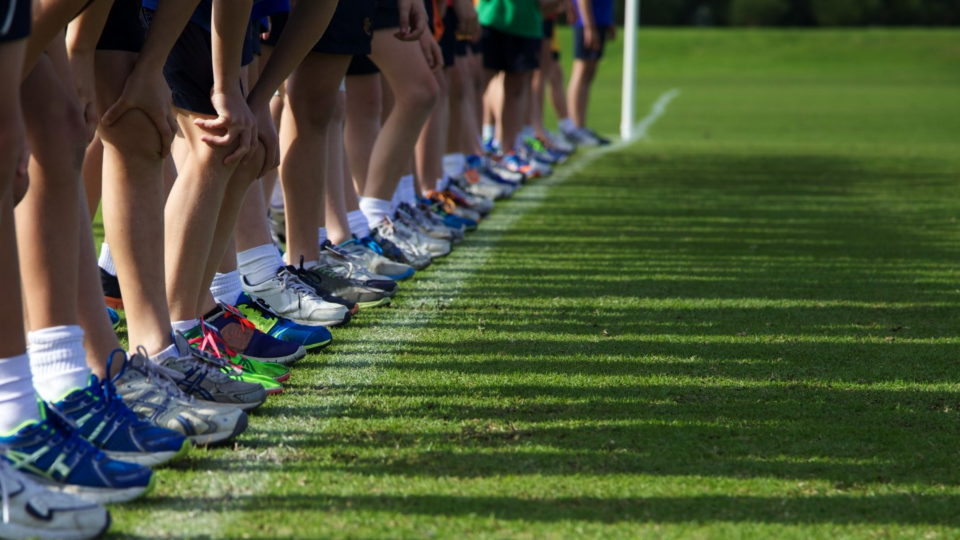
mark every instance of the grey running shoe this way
{"type": "Point", "coordinates": [416, 233]}
{"type": "Point", "coordinates": [151, 391]}
{"type": "Point", "coordinates": [328, 282]}
{"type": "Point", "coordinates": [418, 258]}
{"type": "Point", "coordinates": [202, 376]}
{"type": "Point", "coordinates": [288, 296]}
{"type": "Point", "coordinates": [374, 261]}
{"type": "Point", "coordinates": [348, 266]}
{"type": "Point", "coordinates": [428, 226]}
{"type": "Point", "coordinates": [30, 510]}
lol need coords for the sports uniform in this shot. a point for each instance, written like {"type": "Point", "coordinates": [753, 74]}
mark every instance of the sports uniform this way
{"type": "Point", "coordinates": [512, 31]}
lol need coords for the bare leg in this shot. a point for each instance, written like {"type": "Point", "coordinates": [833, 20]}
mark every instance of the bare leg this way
{"type": "Point", "coordinates": [312, 92]}
{"type": "Point", "coordinates": [538, 87]}
{"type": "Point", "coordinates": [557, 90]}
{"type": "Point", "coordinates": [364, 103]}
{"type": "Point", "coordinates": [516, 90]}
{"type": "Point", "coordinates": [431, 145]}
{"type": "Point", "coordinates": [415, 90]}
{"type": "Point", "coordinates": [92, 174]}
{"type": "Point", "coordinates": [338, 227]}
{"type": "Point", "coordinates": [578, 94]}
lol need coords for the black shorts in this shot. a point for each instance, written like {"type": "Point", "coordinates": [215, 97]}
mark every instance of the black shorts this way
{"type": "Point", "coordinates": [253, 28]}
{"type": "Point", "coordinates": [349, 33]}
{"type": "Point", "coordinates": [189, 68]}
{"type": "Point", "coordinates": [277, 22]}
{"type": "Point", "coordinates": [255, 31]}
{"type": "Point", "coordinates": [362, 65]}
{"type": "Point", "coordinates": [580, 51]}
{"type": "Point", "coordinates": [476, 47]}
{"type": "Point", "coordinates": [510, 53]}
{"type": "Point", "coordinates": [387, 15]}
{"type": "Point", "coordinates": [124, 29]}
{"type": "Point", "coordinates": [449, 43]}
{"type": "Point", "coordinates": [15, 20]}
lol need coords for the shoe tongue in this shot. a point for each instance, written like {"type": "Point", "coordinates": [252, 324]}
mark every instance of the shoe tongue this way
{"type": "Point", "coordinates": [183, 347]}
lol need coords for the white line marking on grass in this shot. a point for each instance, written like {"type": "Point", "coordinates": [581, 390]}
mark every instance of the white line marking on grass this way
{"type": "Point", "coordinates": [348, 372]}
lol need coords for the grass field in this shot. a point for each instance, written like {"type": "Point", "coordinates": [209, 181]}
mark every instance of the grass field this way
{"type": "Point", "coordinates": [745, 326]}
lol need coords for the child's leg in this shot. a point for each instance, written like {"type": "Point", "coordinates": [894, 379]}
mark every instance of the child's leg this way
{"type": "Point", "coordinates": [337, 222]}
{"type": "Point", "coordinates": [431, 145]}
{"type": "Point", "coordinates": [364, 102]}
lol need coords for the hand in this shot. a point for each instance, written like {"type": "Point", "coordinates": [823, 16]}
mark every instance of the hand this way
{"type": "Point", "coordinates": [81, 67]}
{"type": "Point", "coordinates": [267, 133]}
{"type": "Point", "coordinates": [234, 125]}
{"type": "Point", "coordinates": [147, 92]}
{"type": "Point", "coordinates": [413, 19]}
{"type": "Point", "coordinates": [468, 25]}
{"type": "Point", "coordinates": [431, 51]}
{"type": "Point", "coordinates": [591, 40]}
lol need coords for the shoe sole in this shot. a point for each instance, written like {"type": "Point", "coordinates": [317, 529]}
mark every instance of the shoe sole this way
{"type": "Point", "coordinates": [274, 391]}
{"type": "Point", "coordinates": [282, 360]}
{"type": "Point", "coordinates": [328, 324]}
{"type": "Point", "coordinates": [115, 303]}
{"type": "Point", "coordinates": [385, 301]}
{"type": "Point", "coordinates": [221, 437]}
{"type": "Point", "coordinates": [101, 495]}
{"type": "Point", "coordinates": [318, 346]}
{"type": "Point", "coordinates": [401, 277]}
{"type": "Point", "coordinates": [153, 459]}
{"type": "Point", "coordinates": [12, 531]}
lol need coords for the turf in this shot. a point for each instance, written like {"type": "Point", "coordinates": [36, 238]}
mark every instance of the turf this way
{"type": "Point", "coordinates": [744, 326]}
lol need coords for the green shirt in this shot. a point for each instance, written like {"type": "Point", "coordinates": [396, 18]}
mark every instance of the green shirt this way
{"type": "Point", "coordinates": [517, 17]}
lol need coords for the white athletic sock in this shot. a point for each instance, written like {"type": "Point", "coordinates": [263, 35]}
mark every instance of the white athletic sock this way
{"type": "Point", "coordinates": [310, 265]}
{"type": "Point", "coordinates": [443, 183]}
{"type": "Point", "coordinates": [454, 164]}
{"type": "Point", "coordinates": [358, 224]}
{"type": "Point", "coordinates": [184, 326]}
{"type": "Point", "coordinates": [58, 361]}
{"type": "Point", "coordinates": [374, 209]}
{"type": "Point", "coordinates": [322, 233]}
{"type": "Point", "coordinates": [226, 288]}
{"type": "Point", "coordinates": [567, 126]}
{"type": "Point", "coordinates": [276, 198]}
{"type": "Point", "coordinates": [259, 264]}
{"type": "Point", "coordinates": [488, 132]}
{"type": "Point", "coordinates": [18, 399]}
{"type": "Point", "coordinates": [169, 352]}
{"type": "Point", "coordinates": [106, 260]}
{"type": "Point", "coordinates": [408, 191]}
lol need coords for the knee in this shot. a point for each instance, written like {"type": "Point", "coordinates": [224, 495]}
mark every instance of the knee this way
{"type": "Point", "coordinates": [422, 96]}
{"type": "Point", "coordinates": [248, 172]}
{"type": "Point", "coordinates": [133, 135]}
{"type": "Point", "coordinates": [65, 124]}
{"type": "Point", "coordinates": [310, 109]}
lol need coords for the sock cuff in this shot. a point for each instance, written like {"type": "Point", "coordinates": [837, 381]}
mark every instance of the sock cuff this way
{"type": "Point", "coordinates": [259, 252]}
{"type": "Point", "coordinates": [106, 260]}
{"type": "Point", "coordinates": [55, 336]}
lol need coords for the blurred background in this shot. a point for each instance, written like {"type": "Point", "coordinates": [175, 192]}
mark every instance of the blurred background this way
{"type": "Point", "coordinates": [807, 13]}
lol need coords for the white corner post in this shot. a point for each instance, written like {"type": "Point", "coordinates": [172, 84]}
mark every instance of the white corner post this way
{"type": "Point", "coordinates": [627, 108]}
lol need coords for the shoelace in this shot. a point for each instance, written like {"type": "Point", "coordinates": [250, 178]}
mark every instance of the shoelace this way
{"type": "Point", "coordinates": [211, 343]}
{"type": "Point", "coordinates": [291, 281]}
{"type": "Point", "coordinates": [161, 377]}
{"type": "Point", "coordinates": [231, 312]}
{"type": "Point", "coordinates": [115, 407]}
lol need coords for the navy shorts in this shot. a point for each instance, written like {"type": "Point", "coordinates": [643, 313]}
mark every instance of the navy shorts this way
{"type": "Point", "coordinates": [548, 25]}
{"type": "Point", "coordinates": [449, 44]}
{"type": "Point", "coordinates": [362, 65]}
{"type": "Point", "coordinates": [124, 29]}
{"type": "Point", "coordinates": [509, 53]}
{"type": "Point", "coordinates": [580, 51]}
{"type": "Point", "coordinates": [15, 20]}
{"type": "Point", "coordinates": [349, 33]}
{"type": "Point", "coordinates": [387, 15]}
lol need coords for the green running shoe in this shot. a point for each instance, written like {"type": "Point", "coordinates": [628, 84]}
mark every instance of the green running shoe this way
{"type": "Point", "coordinates": [206, 340]}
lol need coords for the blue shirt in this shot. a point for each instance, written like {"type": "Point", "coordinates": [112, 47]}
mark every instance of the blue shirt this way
{"type": "Point", "coordinates": [602, 13]}
{"type": "Point", "coordinates": [204, 12]}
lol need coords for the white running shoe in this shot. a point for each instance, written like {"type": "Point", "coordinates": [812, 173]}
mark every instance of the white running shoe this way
{"type": "Point", "coordinates": [151, 391]}
{"type": "Point", "coordinates": [28, 510]}
{"type": "Point", "coordinates": [293, 299]}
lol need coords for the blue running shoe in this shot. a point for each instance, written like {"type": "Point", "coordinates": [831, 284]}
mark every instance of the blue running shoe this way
{"type": "Point", "coordinates": [52, 452]}
{"type": "Point", "coordinates": [114, 317]}
{"type": "Point", "coordinates": [103, 419]}
{"type": "Point", "coordinates": [264, 319]}
{"type": "Point", "coordinates": [246, 338]}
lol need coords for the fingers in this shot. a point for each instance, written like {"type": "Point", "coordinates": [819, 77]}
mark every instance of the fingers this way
{"type": "Point", "coordinates": [242, 149]}
{"type": "Point", "coordinates": [219, 122]}
{"type": "Point", "coordinates": [252, 142]}
{"type": "Point", "coordinates": [115, 112]}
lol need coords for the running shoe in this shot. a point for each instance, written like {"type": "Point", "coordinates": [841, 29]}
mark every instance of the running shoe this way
{"type": "Point", "coordinates": [601, 140]}
{"type": "Point", "coordinates": [369, 254]}
{"type": "Point", "coordinates": [582, 137]}
{"type": "Point", "coordinates": [114, 317]}
{"type": "Point", "coordinates": [386, 232]}
{"type": "Point", "coordinates": [287, 295]}
{"type": "Point", "coordinates": [561, 142]}
{"type": "Point", "coordinates": [111, 290]}
{"type": "Point", "coordinates": [473, 182]}
{"type": "Point", "coordinates": [246, 339]}
{"type": "Point", "coordinates": [539, 165]}
{"type": "Point", "coordinates": [348, 266]}
{"type": "Point", "coordinates": [414, 232]}
{"type": "Point", "coordinates": [496, 173]}
{"type": "Point", "coordinates": [325, 280]}
{"type": "Point", "coordinates": [259, 313]}
{"type": "Point", "coordinates": [52, 452]}
{"type": "Point", "coordinates": [479, 203]}
{"type": "Point", "coordinates": [29, 510]}
{"type": "Point", "coordinates": [151, 391]}
{"type": "Point", "coordinates": [534, 149]}
{"type": "Point", "coordinates": [102, 418]}
{"type": "Point", "coordinates": [206, 340]}
{"type": "Point", "coordinates": [202, 376]}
